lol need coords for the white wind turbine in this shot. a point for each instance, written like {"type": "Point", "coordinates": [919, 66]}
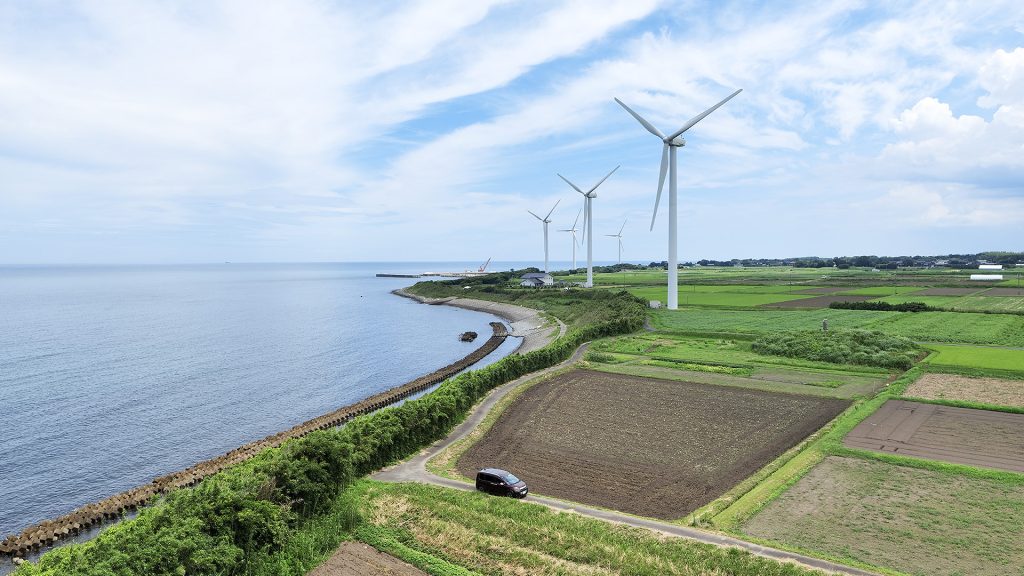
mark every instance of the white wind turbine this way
{"type": "Point", "coordinates": [573, 230]}
{"type": "Point", "coordinates": [619, 236]}
{"type": "Point", "coordinates": [668, 163]}
{"type": "Point", "coordinates": [588, 222]}
{"type": "Point", "coordinates": [546, 220]}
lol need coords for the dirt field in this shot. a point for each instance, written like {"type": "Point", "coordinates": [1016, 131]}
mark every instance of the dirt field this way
{"type": "Point", "coordinates": [818, 302]}
{"type": "Point", "coordinates": [962, 435]}
{"type": "Point", "coordinates": [1004, 292]}
{"type": "Point", "coordinates": [651, 447]}
{"type": "Point", "coordinates": [947, 291]}
{"type": "Point", "coordinates": [954, 387]}
{"type": "Point", "coordinates": [916, 521]}
{"type": "Point", "coordinates": [357, 559]}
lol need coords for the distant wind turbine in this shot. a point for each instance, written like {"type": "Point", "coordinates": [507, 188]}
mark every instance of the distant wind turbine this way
{"type": "Point", "coordinates": [588, 222]}
{"type": "Point", "coordinates": [668, 163]}
{"type": "Point", "coordinates": [546, 220]}
{"type": "Point", "coordinates": [573, 230]}
{"type": "Point", "coordinates": [619, 236]}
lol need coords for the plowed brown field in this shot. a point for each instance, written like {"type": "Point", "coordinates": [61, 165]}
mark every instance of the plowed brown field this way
{"type": "Point", "coordinates": [645, 446]}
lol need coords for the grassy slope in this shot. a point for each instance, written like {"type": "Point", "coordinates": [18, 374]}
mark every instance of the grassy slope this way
{"type": "Point", "coordinates": [503, 536]}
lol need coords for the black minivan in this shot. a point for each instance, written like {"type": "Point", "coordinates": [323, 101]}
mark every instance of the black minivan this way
{"type": "Point", "coordinates": [500, 483]}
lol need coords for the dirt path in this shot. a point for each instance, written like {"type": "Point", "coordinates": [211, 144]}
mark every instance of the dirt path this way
{"type": "Point", "coordinates": [356, 559]}
{"type": "Point", "coordinates": [414, 470]}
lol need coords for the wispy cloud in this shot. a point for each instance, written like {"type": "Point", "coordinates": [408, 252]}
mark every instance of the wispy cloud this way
{"type": "Point", "coordinates": [318, 130]}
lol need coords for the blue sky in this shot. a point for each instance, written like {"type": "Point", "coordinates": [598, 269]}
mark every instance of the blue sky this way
{"type": "Point", "coordinates": [153, 132]}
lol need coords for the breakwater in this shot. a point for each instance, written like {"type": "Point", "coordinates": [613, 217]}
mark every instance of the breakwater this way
{"type": "Point", "coordinates": [50, 532]}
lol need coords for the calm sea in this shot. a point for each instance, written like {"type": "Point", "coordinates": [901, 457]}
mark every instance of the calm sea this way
{"type": "Point", "coordinates": [111, 376]}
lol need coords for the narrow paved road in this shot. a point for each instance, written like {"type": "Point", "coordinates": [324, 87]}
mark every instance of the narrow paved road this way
{"type": "Point", "coordinates": [415, 470]}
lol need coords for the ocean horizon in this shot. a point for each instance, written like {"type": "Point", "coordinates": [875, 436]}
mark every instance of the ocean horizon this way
{"type": "Point", "coordinates": [114, 374]}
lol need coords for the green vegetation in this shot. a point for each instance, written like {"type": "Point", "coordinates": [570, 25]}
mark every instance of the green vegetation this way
{"type": "Point", "coordinates": [883, 306]}
{"type": "Point", "coordinates": [717, 298]}
{"type": "Point", "coordinates": [917, 521]}
{"type": "Point", "coordinates": [503, 536]}
{"type": "Point", "coordinates": [841, 347]}
{"type": "Point", "coordinates": [977, 357]}
{"type": "Point", "coordinates": [679, 349]}
{"type": "Point", "coordinates": [952, 327]}
{"type": "Point", "coordinates": [248, 518]}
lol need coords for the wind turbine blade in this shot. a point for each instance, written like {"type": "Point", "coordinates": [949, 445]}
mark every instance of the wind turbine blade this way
{"type": "Point", "coordinates": [702, 115]}
{"type": "Point", "coordinates": [603, 179]}
{"type": "Point", "coordinates": [623, 226]}
{"type": "Point", "coordinates": [611, 235]}
{"type": "Point", "coordinates": [577, 218]}
{"type": "Point", "coordinates": [552, 209]}
{"type": "Point", "coordinates": [535, 216]}
{"type": "Point", "coordinates": [650, 127]}
{"type": "Point", "coordinates": [661, 182]}
{"type": "Point", "coordinates": [575, 187]}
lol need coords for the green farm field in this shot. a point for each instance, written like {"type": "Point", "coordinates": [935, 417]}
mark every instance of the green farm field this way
{"type": "Point", "coordinates": [951, 327]}
{"type": "Point", "coordinates": [977, 357]}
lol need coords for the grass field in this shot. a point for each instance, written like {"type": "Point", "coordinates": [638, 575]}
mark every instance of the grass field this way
{"type": "Point", "coordinates": [958, 388]}
{"type": "Point", "coordinates": [977, 357]}
{"type": "Point", "coordinates": [457, 530]}
{"type": "Point", "coordinates": [716, 298]}
{"type": "Point", "coordinates": [721, 351]}
{"type": "Point", "coordinates": [952, 327]}
{"type": "Point", "coordinates": [917, 521]}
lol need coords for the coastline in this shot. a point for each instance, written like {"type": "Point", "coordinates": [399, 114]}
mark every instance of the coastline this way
{"type": "Point", "coordinates": [36, 538]}
{"type": "Point", "coordinates": [526, 323]}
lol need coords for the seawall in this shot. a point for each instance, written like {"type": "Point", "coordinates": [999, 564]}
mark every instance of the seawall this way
{"type": "Point", "coordinates": [50, 532]}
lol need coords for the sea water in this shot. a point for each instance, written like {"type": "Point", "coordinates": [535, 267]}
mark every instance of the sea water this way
{"type": "Point", "coordinates": [113, 375]}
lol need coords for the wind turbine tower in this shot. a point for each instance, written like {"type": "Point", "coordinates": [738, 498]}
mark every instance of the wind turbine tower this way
{"type": "Point", "coordinates": [619, 236]}
{"type": "Point", "coordinates": [546, 220]}
{"type": "Point", "coordinates": [573, 230]}
{"type": "Point", "coordinates": [588, 221]}
{"type": "Point", "coordinates": [668, 163]}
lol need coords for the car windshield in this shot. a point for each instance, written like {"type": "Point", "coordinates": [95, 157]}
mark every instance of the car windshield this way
{"type": "Point", "coordinates": [511, 479]}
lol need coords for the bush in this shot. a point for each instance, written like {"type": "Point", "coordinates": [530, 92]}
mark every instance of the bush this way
{"type": "Point", "coordinates": [884, 306]}
{"type": "Point", "coordinates": [868, 348]}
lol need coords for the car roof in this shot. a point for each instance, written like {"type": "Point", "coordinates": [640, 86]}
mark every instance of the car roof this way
{"type": "Point", "coordinates": [495, 471]}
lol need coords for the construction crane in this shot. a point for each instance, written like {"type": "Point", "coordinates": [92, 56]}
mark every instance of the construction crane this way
{"type": "Point", "coordinates": [484, 266]}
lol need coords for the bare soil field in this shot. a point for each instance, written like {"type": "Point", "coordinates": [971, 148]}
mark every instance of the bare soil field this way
{"type": "Point", "coordinates": [645, 446]}
{"type": "Point", "coordinates": [358, 559]}
{"type": "Point", "coordinates": [916, 521]}
{"type": "Point", "coordinates": [955, 387]}
{"type": "Point", "coordinates": [817, 302]}
{"type": "Point", "coordinates": [947, 291]}
{"type": "Point", "coordinates": [1004, 292]}
{"type": "Point", "coordinates": [961, 435]}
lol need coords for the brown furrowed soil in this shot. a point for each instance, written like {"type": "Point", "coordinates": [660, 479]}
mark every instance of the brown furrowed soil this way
{"type": "Point", "coordinates": [947, 291]}
{"type": "Point", "coordinates": [1004, 292]}
{"type": "Point", "coordinates": [962, 435]}
{"type": "Point", "coordinates": [645, 446]}
{"type": "Point", "coordinates": [955, 387]}
{"type": "Point", "coordinates": [357, 559]}
{"type": "Point", "coordinates": [919, 522]}
{"type": "Point", "coordinates": [817, 302]}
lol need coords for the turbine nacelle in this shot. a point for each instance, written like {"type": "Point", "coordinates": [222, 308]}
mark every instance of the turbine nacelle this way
{"type": "Point", "coordinates": [678, 142]}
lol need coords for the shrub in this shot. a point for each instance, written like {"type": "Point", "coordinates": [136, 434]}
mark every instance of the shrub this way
{"type": "Point", "coordinates": [868, 348]}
